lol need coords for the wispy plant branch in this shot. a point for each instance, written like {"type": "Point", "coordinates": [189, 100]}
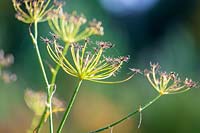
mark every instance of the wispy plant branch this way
{"type": "Point", "coordinates": [127, 117]}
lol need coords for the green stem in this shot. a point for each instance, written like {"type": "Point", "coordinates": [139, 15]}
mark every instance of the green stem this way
{"type": "Point", "coordinates": [38, 53]}
{"type": "Point", "coordinates": [54, 75]}
{"type": "Point", "coordinates": [49, 106]}
{"type": "Point", "coordinates": [128, 116]}
{"type": "Point", "coordinates": [53, 80]}
{"type": "Point", "coordinates": [35, 38]}
{"type": "Point", "coordinates": [41, 121]}
{"type": "Point", "coordinates": [66, 114]}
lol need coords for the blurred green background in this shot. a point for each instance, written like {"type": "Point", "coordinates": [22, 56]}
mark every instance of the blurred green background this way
{"type": "Point", "coordinates": [164, 31]}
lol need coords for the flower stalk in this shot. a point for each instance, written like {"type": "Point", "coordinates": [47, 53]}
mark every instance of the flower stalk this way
{"type": "Point", "coordinates": [163, 83]}
{"type": "Point", "coordinates": [66, 114]}
{"type": "Point", "coordinates": [36, 101]}
{"type": "Point", "coordinates": [53, 80]}
{"type": "Point", "coordinates": [34, 12]}
{"type": "Point", "coordinates": [128, 116]}
{"type": "Point", "coordinates": [85, 64]}
{"type": "Point", "coordinates": [49, 92]}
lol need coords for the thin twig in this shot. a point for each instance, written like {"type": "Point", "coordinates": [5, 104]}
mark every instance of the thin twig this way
{"type": "Point", "coordinates": [126, 117]}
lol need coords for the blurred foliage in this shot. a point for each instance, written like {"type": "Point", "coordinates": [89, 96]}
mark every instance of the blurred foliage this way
{"type": "Point", "coordinates": [168, 33]}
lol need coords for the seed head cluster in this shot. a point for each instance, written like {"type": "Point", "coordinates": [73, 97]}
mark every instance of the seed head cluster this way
{"type": "Point", "coordinates": [87, 64]}
{"type": "Point", "coordinates": [167, 83]}
{"type": "Point", "coordinates": [30, 11]}
{"type": "Point", "coordinates": [70, 27]}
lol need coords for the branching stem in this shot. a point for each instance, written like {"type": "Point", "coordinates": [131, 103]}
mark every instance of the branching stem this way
{"type": "Point", "coordinates": [53, 80]}
{"type": "Point", "coordinates": [127, 117]}
{"type": "Point", "coordinates": [49, 92]}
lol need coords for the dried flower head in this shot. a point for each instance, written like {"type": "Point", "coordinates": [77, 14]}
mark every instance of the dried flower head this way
{"type": "Point", "coordinates": [69, 27]}
{"type": "Point", "coordinates": [8, 77]}
{"type": "Point", "coordinates": [6, 60]}
{"type": "Point", "coordinates": [167, 83]}
{"type": "Point", "coordinates": [36, 101]}
{"type": "Point", "coordinates": [30, 11]}
{"type": "Point", "coordinates": [88, 65]}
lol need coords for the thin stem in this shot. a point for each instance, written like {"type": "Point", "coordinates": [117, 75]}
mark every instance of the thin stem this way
{"type": "Point", "coordinates": [66, 114]}
{"type": "Point", "coordinates": [49, 106]}
{"type": "Point", "coordinates": [53, 80]}
{"type": "Point", "coordinates": [41, 121]}
{"type": "Point", "coordinates": [38, 53]}
{"type": "Point", "coordinates": [128, 116]}
{"type": "Point", "coordinates": [35, 38]}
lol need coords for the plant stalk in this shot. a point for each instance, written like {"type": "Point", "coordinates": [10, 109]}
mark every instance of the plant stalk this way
{"type": "Point", "coordinates": [66, 114]}
{"type": "Point", "coordinates": [38, 53]}
{"type": "Point", "coordinates": [127, 117]}
{"type": "Point", "coordinates": [53, 80]}
{"type": "Point", "coordinates": [35, 38]}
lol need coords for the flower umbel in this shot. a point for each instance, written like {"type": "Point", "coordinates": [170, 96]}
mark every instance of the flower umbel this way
{"type": "Point", "coordinates": [30, 11]}
{"type": "Point", "coordinates": [69, 27]}
{"type": "Point", "coordinates": [163, 83]}
{"type": "Point", "coordinates": [167, 83]}
{"type": "Point", "coordinates": [87, 65]}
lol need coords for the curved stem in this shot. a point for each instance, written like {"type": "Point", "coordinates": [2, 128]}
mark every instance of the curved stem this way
{"type": "Point", "coordinates": [34, 39]}
{"type": "Point", "coordinates": [53, 80]}
{"type": "Point", "coordinates": [38, 53]}
{"type": "Point", "coordinates": [66, 114]}
{"type": "Point", "coordinates": [128, 116]}
{"type": "Point", "coordinates": [41, 121]}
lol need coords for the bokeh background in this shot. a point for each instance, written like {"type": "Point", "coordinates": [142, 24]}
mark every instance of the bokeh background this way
{"type": "Point", "coordinates": [164, 31]}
